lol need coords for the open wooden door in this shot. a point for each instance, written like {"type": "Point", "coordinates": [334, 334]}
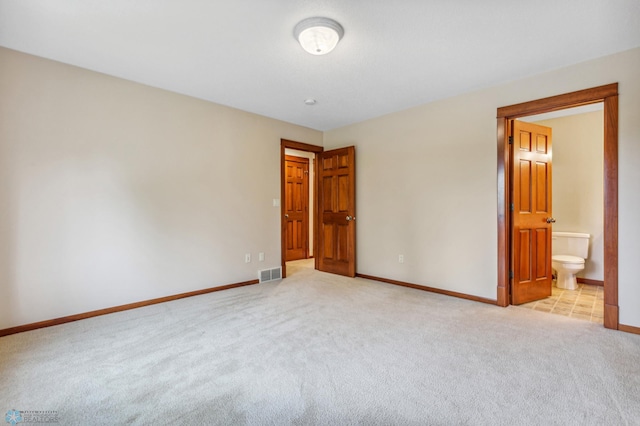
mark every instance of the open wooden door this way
{"type": "Point", "coordinates": [336, 211]}
{"type": "Point", "coordinates": [531, 212]}
{"type": "Point", "coordinates": [296, 202]}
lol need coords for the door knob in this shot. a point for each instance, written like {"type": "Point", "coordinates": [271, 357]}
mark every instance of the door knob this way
{"type": "Point", "coordinates": [349, 218]}
{"type": "Point", "coordinates": [286, 216]}
{"type": "Point", "coordinates": [551, 220]}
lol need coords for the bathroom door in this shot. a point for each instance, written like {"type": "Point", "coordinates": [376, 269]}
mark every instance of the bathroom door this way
{"type": "Point", "coordinates": [531, 212]}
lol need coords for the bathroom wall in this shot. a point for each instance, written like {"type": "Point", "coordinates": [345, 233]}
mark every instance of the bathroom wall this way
{"type": "Point", "coordinates": [578, 182]}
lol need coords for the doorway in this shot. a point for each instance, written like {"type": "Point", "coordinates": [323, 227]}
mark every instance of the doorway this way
{"type": "Point", "coordinates": [576, 140]}
{"type": "Point", "coordinates": [334, 227]}
{"type": "Point", "coordinates": [609, 96]}
{"type": "Point", "coordinates": [313, 151]}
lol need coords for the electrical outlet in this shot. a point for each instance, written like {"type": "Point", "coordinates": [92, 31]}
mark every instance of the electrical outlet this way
{"type": "Point", "coordinates": [247, 258]}
{"type": "Point", "coordinates": [401, 258]}
{"type": "Point", "coordinates": [261, 257]}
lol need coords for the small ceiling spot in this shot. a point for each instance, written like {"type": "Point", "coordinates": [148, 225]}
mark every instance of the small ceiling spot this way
{"type": "Point", "coordinates": [310, 101]}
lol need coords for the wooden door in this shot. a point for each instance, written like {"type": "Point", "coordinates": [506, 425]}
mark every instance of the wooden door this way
{"type": "Point", "coordinates": [531, 212]}
{"type": "Point", "coordinates": [296, 201]}
{"type": "Point", "coordinates": [337, 211]}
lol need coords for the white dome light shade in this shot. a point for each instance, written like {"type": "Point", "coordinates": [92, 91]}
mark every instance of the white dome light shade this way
{"type": "Point", "coordinates": [318, 36]}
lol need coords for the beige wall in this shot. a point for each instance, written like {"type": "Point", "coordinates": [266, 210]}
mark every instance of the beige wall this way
{"type": "Point", "coordinates": [113, 192]}
{"type": "Point", "coordinates": [426, 180]}
{"type": "Point", "coordinates": [578, 182]}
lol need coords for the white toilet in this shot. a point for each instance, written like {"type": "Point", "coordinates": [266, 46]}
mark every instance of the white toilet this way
{"type": "Point", "coordinates": [569, 251]}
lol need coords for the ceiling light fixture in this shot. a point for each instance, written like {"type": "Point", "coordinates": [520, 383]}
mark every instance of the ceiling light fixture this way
{"type": "Point", "coordinates": [310, 101]}
{"type": "Point", "coordinates": [318, 36]}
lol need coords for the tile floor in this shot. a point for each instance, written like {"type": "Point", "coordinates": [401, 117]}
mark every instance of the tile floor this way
{"type": "Point", "coordinates": [585, 303]}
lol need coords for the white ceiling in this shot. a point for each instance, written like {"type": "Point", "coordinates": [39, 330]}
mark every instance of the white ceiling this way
{"type": "Point", "coordinates": [394, 55]}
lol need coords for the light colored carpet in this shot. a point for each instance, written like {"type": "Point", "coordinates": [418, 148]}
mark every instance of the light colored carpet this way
{"type": "Point", "coordinates": [322, 349]}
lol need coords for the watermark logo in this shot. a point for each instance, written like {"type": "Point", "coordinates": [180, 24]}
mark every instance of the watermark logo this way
{"type": "Point", "coordinates": [13, 416]}
{"type": "Point", "coordinates": [25, 417]}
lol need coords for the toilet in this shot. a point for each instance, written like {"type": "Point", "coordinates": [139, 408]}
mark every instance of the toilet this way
{"type": "Point", "coordinates": [568, 253]}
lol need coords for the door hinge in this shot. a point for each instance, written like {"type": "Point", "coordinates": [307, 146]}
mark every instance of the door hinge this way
{"type": "Point", "coordinates": [512, 207]}
{"type": "Point", "coordinates": [510, 275]}
{"type": "Point", "coordinates": [510, 139]}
